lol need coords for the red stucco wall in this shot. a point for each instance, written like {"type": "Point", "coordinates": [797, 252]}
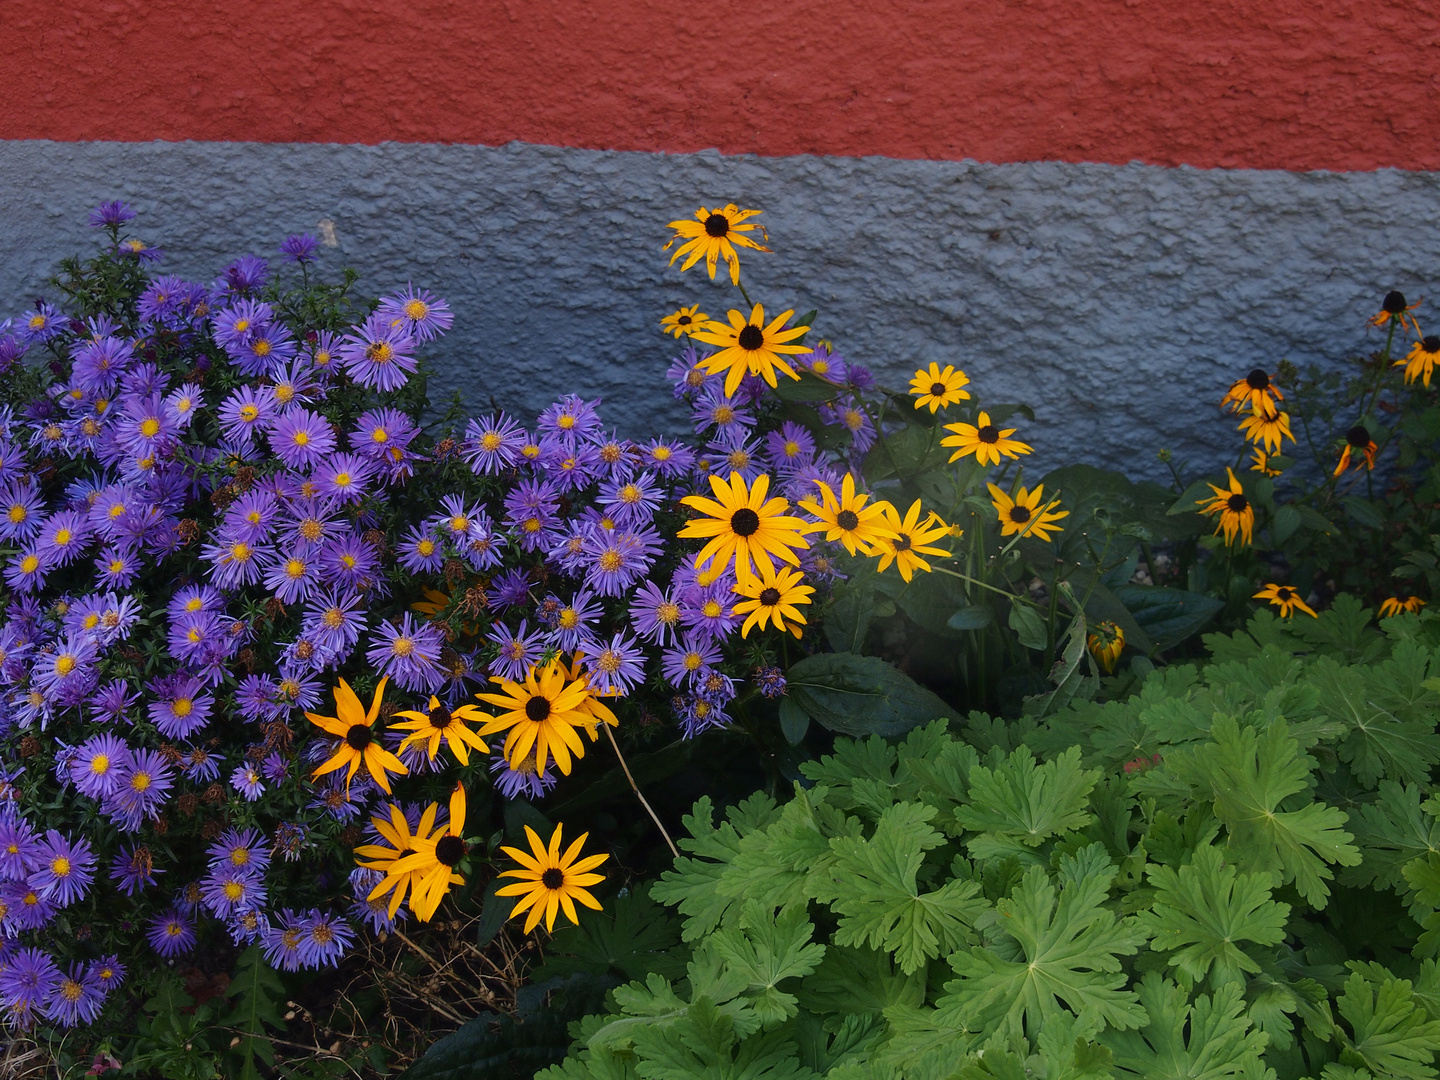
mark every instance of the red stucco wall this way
{"type": "Point", "coordinates": [1290, 84]}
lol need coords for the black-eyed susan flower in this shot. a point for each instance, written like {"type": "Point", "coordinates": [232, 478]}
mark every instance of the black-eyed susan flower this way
{"type": "Point", "coordinates": [550, 881]}
{"type": "Point", "coordinates": [1266, 426]}
{"type": "Point", "coordinates": [437, 724]}
{"type": "Point", "coordinates": [1286, 599]}
{"type": "Point", "coordinates": [1358, 440]}
{"type": "Point", "coordinates": [939, 389]}
{"type": "Point", "coordinates": [540, 713]}
{"type": "Point", "coordinates": [395, 831]}
{"type": "Point", "coordinates": [847, 518]}
{"type": "Point", "coordinates": [1262, 463]}
{"type": "Point", "coordinates": [1394, 309]}
{"type": "Point", "coordinates": [742, 524]}
{"type": "Point", "coordinates": [773, 598]}
{"type": "Point", "coordinates": [1395, 605]}
{"type": "Point", "coordinates": [912, 538]}
{"type": "Point", "coordinates": [750, 345]}
{"type": "Point", "coordinates": [1420, 362]}
{"type": "Point", "coordinates": [353, 724]}
{"type": "Point", "coordinates": [1237, 516]}
{"type": "Point", "coordinates": [1023, 514]}
{"type": "Point", "coordinates": [684, 321]}
{"type": "Point", "coordinates": [714, 235]}
{"type": "Point", "coordinates": [985, 440]}
{"type": "Point", "coordinates": [1257, 390]}
{"type": "Point", "coordinates": [431, 864]}
{"type": "Point", "coordinates": [1105, 643]}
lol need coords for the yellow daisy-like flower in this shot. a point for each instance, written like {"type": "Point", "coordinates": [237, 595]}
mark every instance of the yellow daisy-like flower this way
{"type": "Point", "coordinates": [743, 525]}
{"type": "Point", "coordinates": [550, 881]}
{"type": "Point", "coordinates": [396, 832]}
{"type": "Point", "coordinates": [1257, 390]}
{"type": "Point", "coordinates": [1105, 643]}
{"type": "Point", "coordinates": [1420, 362]}
{"type": "Point", "coordinates": [911, 539]}
{"type": "Point", "coordinates": [598, 712]}
{"type": "Point", "coordinates": [1286, 599]}
{"type": "Point", "coordinates": [847, 518]}
{"type": "Point", "coordinates": [1267, 426]}
{"type": "Point", "coordinates": [543, 713]}
{"type": "Point", "coordinates": [353, 724]}
{"type": "Point", "coordinates": [715, 234]}
{"type": "Point", "coordinates": [750, 345]}
{"type": "Point", "coordinates": [1395, 605]}
{"type": "Point", "coordinates": [1262, 463]}
{"type": "Point", "coordinates": [1393, 307]}
{"type": "Point", "coordinates": [685, 321]}
{"type": "Point", "coordinates": [986, 441]}
{"type": "Point", "coordinates": [1358, 441]}
{"type": "Point", "coordinates": [438, 724]}
{"type": "Point", "coordinates": [1237, 516]}
{"type": "Point", "coordinates": [1024, 515]}
{"type": "Point", "coordinates": [939, 389]}
{"type": "Point", "coordinates": [432, 861]}
{"type": "Point", "coordinates": [773, 598]}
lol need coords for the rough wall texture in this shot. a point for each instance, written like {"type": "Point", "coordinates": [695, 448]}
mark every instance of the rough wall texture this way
{"type": "Point", "coordinates": [1118, 301]}
{"type": "Point", "coordinates": [1290, 84]}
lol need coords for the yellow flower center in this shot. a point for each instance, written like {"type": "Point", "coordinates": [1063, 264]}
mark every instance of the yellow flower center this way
{"type": "Point", "coordinates": [342, 480]}
{"type": "Point", "coordinates": [379, 435]}
{"type": "Point", "coordinates": [284, 393]}
{"type": "Point", "coordinates": [100, 764]}
{"type": "Point", "coordinates": [490, 441]}
{"type": "Point", "coordinates": [149, 427]}
{"type": "Point", "coordinates": [64, 664]}
{"type": "Point", "coordinates": [302, 438]}
{"type": "Point", "coordinates": [380, 353]}
{"type": "Point", "coordinates": [140, 781]}
{"type": "Point", "coordinates": [334, 618]}
{"type": "Point", "coordinates": [403, 646]}
{"type": "Point", "coordinates": [566, 422]}
{"type": "Point", "coordinates": [60, 866]}
{"type": "Point", "coordinates": [692, 661]}
{"type": "Point", "coordinates": [426, 547]}
{"type": "Point", "coordinates": [63, 537]}
{"type": "Point", "coordinates": [630, 494]}
{"type": "Point", "coordinates": [569, 619]}
{"type": "Point", "coordinates": [712, 609]}
{"type": "Point", "coordinates": [417, 310]}
{"type": "Point", "coordinates": [29, 564]}
{"type": "Point", "coordinates": [234, 891]}
{"type": "Point", "coordinates": [240, 551]}
{"type": "Point", "coordinates": [294, 569]}
{"type": "Point", "coordinates": [610, 561]}
{"type": "Point", "coordinates": [242, 325]}
{"type": "Point", "coordinates": [182, 707]}
{"type": "Point", "coordinates": [17, 514]}
{"type": "Point", "coordinates": [249, 413]}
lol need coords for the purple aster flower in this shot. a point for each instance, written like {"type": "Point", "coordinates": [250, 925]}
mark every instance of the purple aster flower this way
{"type": "Point", "coordinates": [247, 781]}
{"type": "Point", "coordinates": [770, 681]}
{"type": "Point", "coordinates": [483, 548]}
{"type": "Point", "coordinates": [669, 458]}
{"type": "Point", "coordinates": [654, 614]}
{"type": "Point", "coordinates": [617, 665]}
{"type": "Point", "coordinates": [248, 927]}
{"type": "Point", "coordinates": [301, 438]}
{"type": "Point", "coordinates": [324, 355]}
{"type": "Point", "coordinates": [790, 448]}
{"type": "Point", "coordinates": [492, 444]}
{"type": "Point", "coordinates": [143, 782]}
{"type": "Point", "coordinates": [573, 625]}
{"type": "Point", "coordinates": [271, 345]}
{"type": "Point", "coordinates": [227, 891]}
{"type": "Point", "coordinates": [28, 910]}
{"type": "Point", "coordinates": [117, 567]}
{"type": "Point", "coordinates": [423, 314]}
{"type": "Point", "coordinates": [510, 588]}
{"type": "Point", "coordinates": [297, 688]}
{"type": "Point", "coordinates": [524, 781]}
{"type": "Point", "coordinates": [331, 797]}
{"type": "Point", "coordinates": [325, 939]}
{"type": "Point", "coordinates": [76, 999]}
{"type": "Point", "coordinates": [571, 415]}
{"type": "Point", "coordinates": [201, 766]}
{"type": "Point", "coordinates": [847, 413]}
{"type": "Point", "coordinates": [68, 673]}
{"type": "Point", "coordinates": [349, 561]}
{"type": "Point", "coordinates": [256, 698]}
{"type": "Point", "coordinates": [343, 477]}
{"type": "Point", "coordinates": [275, 768]}
{"type": "Point", "coordinates": [181, 405]}
{"type": "Point", "coordinates": [457, 520]}
{"type": "Point", "coordinates": [713, 408]}
{"type": "Point", "coordinates": [107, 972]}
{"type": "Point", "coordinates": [698, 715]}
{"type": "Point", "coordinates": [22, 510]}
{"type": "Point", "coordinates": [62, 538]}
{"type": "Point", "coordinates": [28, 978]}
{"type": "Point", "coordinates": [419, 552]}
{"type": "Point", "coordinates": [613, 560]}
{"type": "Point", "coordinates": [291, 575]}
{"type": "Point", "coordinates": [45, 322]}
{"type": "Point", "coordinates": [710, 610]}
{"type": "Point", "coordinates": [181, 708]}
{"type": "Point", "coordinates": [379, 353]}
{"type": "Point", "coordinates": [382, 433]}
{"type": "Point", "coordinates": [233, 561]}
{"type": "Point", "coordinates": [828, 365]}
{"type": "Point", "coordinates": [291, 838]}
{"type": "Point", "coordinates": [112, 701]}
{"type": "Point", "coordinates": [171, 933]}
{"type": "Point", "coordinates": [246, 274]}
{"type": "Point", "coordinates": [246, 411]}
{"type": "Point", "coordinates": [408, 653]}
{"type": "Point", "coordinates": [694, 654]}
{"type": "Point", "coordinates": [732, 453]}
{"type": "Point", "coordinates": [139, 250]}
{"type": "Point", "coordinates": [96, 365]}
{"type": "Point", "coordinates": [301, 248]}
{"type": "Point", "coordinates": [282, 944]}
{"type": "Point", "coordinates": [233, 327]}
{"type": "Point", "coordinates": [632, 501]}
{"type": "Point", "coordinates": [294, 382]}
{"type": "Point", "coordinates": [19, 846]}
{"type": "Point", "coordinates": [375, 912]}
{"type": "Point", "coordinates": [97, 768]}
{"type": "Point", "coordinates": [714, 686]}
{"type": "Point", "coordinates": [686, 374]}
{"type": "Point", "coordinates": [111, 215]}
{"type": "Point", "coordinates": [243, 849]}
{"type": "Point", "coordinates": [311, 522]}
{"type": "Point", "coordinates": [519, 651]}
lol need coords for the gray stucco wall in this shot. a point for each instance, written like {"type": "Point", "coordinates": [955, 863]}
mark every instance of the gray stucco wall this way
{"type": "Point", "coordinates": [1119, 302]}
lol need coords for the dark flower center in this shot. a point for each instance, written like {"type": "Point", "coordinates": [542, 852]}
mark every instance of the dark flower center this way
{"type": "Point", "coordinates": [440, 717]}
{"type": "Point", "coordinates": [988, 434]}
{"type": "Point", "coordinates": [903, 542]}
{"type": "Point", "coordinates": [751, 337]}
{"type": "Point", "coordinates": [1019, 514]}
{"type": "Point", "coordinates": [745, 522]}
{"type": "Point", "coordinates": [538, 708]}
{"type": "Point", "coordinates": [1258, 380]}
{"type": "Point", "coordinates": [553, 878]}
{"type": "Point", "coordinates": [1430, 343]}
{"type": "Point", "coordinates": [1284, 592]}
{"type": "Point", "coordinates": [359, 736]}
{"type": "Point", "coordinates": [683, 320]}
{"type": "Point", "coordinates": [450, 850]}
{"type": "Point", "coordinates": [847, 520]}
{"type": "Point", "coordinates": [717, 225]}
{"type": "Point", "coordinates": [937, 389]}
{"type": "Point", "coordinates": [1237, 503]}
{"type": "Point", "coordinates": [1358, 436]}
{"type": "Point", "coordinates": [769, 597]}
{"type": "Point", "coordinates": [1394, 302]}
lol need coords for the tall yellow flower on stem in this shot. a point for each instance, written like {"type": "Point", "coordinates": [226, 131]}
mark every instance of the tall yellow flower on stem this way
{"type": "Point", "coordinates": [352, 725]}
{"type": "Point", "coordinates": [1023, 513]}
{"type": "Point", "coordinates": [939, 389]}
{"type": "Point", "coordinates": [1420, 362]}
{"type": "Point", "coordinates": [1286, 599]}
{"type": "Point", "coordinates": [740, 523]}
{"type": "Point", "coordinates": [1237, 515]}
{"type": "Point", "coordinates": [714, 235]}
{"type": "Point", "coordinates": [684, 321]}
{"type": "Point", "coordinates": [1394, 309]}
{"type": "Point", "coordinates": [985, 440]}
{"type": "Point", "coordinates": [432, 861]}
{"type": "Point", "coordinates": [1257, 390]}
{"type": "Point", "coordinates": [550, 881]}
{"type": "Point", "coordinates": [1394, 605]}
{"type": "Point", "coordinates": [911, 539]}
{"type": "Point", "coordinates": [439, 723]}
{"type": "Point", "coordinates": [774, 598]}
{"type": "Point", "coordinates": [396, 832]}
{"type": "Point", "coordinates": [542, 712]}
{"type": "Point", "coordinates": [750, 345]}
{"type": "Point", "coordinates": [1267, 426]}
{"type": "Point", "coordinates": [847, 518]}
{"type": "Point", "coordinates": [1358, 440]}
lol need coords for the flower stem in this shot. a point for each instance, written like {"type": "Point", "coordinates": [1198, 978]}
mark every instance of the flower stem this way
{"type": "Point", "coordinates": [648, 809]}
